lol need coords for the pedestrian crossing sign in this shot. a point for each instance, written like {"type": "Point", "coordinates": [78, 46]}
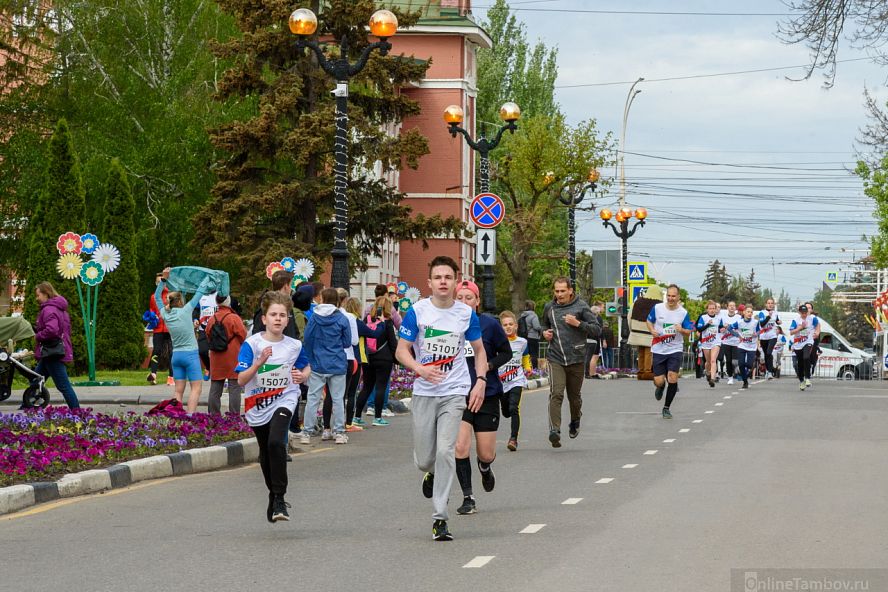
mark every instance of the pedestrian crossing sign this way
{"type": "Point", "coordinates": [832, 276]}
{"type": "Point", "coordinates": [637, 291]}
{"type": "Point", "coordinates": [636, 271]}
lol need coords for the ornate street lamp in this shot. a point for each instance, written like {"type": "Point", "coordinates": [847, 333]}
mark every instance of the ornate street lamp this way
{"type": "Point", "coordinates": [454, 116]}
{"type": "Point", "coordinates": [623, 232]}
{"type": "Point", "coordinates": [571, 196]}
{"type": "Point", "coordinates": [304, 23]}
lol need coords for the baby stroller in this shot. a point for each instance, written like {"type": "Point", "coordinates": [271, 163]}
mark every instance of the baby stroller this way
{"type": "Point", "coordinates": [14, 329]}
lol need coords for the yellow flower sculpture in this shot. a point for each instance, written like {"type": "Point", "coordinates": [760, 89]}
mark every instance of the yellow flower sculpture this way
{"type": "Point", "coordinates": [69, 266]}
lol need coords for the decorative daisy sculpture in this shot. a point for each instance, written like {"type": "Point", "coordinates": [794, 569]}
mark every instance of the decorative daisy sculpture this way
{"type": "Point", "coordinates": [107, 256]}
{"type": "Point", "coordinates": [69, 243]}
{"type": "Point", "coordinates": [90, 243]}
{"type": "Point", "coordinates": [91, 273]}
{"type": "Point", "coordinates": [288, 263]}
{"type": "Point", "coordinates": [297, 279]}
{"type": "Point", "coordinates": [304, 267]}
{"type": "Point", "coordinates": [69, 266]}
{"type": "Point", "coordinates": [413, 295]}
{"type": "Point", "coordinates": [271, 268]}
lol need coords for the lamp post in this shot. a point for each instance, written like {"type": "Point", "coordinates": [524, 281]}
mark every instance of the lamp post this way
{"type": "Point", "coordinates": [630, 97]}
{"type": "Point", "coordinates": [454, 116]}
{"type": "Point", "coordinates": [623, 232]}
{"type": "Point", "coordinates": [304, 23]}
{"type": "Point", "coordinates": [571, 196]}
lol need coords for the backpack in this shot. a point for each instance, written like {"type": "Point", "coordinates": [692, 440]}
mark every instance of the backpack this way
{"type": "Point", "coordinates": [373, 345]}
{"type": "Point", "coordinates": [218, 338]}
{"type": "Point", "coordinates": [522, 326]}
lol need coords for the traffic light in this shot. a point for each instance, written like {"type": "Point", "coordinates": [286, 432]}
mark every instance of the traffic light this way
{"type": "Point", "coordinates": [612, 309]}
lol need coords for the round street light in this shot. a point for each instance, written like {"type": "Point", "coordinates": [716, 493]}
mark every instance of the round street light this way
{"type": "Point", "coordinates": [605, 214]}
{"type": "Point", "coordinates": [383, 24]}
{"type": "Point", "coordinates": [303, 22]}
{"type": "Point", "coordinates": [510, 112]}
{"type": "Point", "coordinates": [641, 213]}
{"type": "Point", "coordinates": [594, 176]}
{"type": "Point", "coordinates": [454, 115]}
{"type": "Point", "coordinates": [549, 178]}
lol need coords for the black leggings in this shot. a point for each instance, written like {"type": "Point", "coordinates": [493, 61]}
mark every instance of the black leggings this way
{"type": "Point", "coordinates": [511, 407]}
{"type": "Point", "coordinates": [161, 350]}
{"type": "Point", "coordinates": [803, 362]}
{"type": "Point", "coordinates": [768, 348]}
{"type": "Point", "coordinates": [352, 376]}
{"type": "Point", "coordinates": [272, 439]}
{"type": "Point", "coordinates": [376, 374]}
{"type": "Point", "coordinates": [746, 361]}
{"type": "Point", "coordinates": [730, 352]}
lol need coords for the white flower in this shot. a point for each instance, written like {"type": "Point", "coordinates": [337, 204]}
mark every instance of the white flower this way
{"type": "Point", "coordinates": [304, 267]}
{"type": "Point", "coordinates": [108, 256]}
{"type": "Point", "coordinates": [413, 295]}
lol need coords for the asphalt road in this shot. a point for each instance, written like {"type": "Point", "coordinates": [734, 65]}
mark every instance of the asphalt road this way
{"type": "Point", "coordinates": [767, 478]}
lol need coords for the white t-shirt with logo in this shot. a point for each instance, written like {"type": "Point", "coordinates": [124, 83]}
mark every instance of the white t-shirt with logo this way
{"type": "Point", "coordinates": [208, 308]}
{"type": "Point", "coordinates": [769, 329]}
{"type": "Point", "coordinates": [666, 322]}
{"type": "Point", "coordinates": [806, 335]}
{"type": "Point", "coordinates": [748, 331]}
{"type": "Point", "coordinates": [511, 373]}
{"type": "Point", "coordinates": [709, 337]}
{"type": "Point", "coordinates": [727, 321]}
{"type": "Point", "coordinates": [272, 386]}
{"type": "Point", "coordinates": [439, 336]}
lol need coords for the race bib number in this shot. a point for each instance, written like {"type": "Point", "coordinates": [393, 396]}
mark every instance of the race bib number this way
{"type": "Point", "coordinates": [709, 334]}
{"type": "Point", "coordinates": [668, 329]}
{"type": "Point", "coordinates": [438, 346]}
{"type": "Point", "coordinates": [273, 376]}
{"type": "Point", "coordinates": [470, 351]}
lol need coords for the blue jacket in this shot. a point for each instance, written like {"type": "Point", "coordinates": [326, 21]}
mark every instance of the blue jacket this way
{"type": "Point", "coordinates": [326, 337]}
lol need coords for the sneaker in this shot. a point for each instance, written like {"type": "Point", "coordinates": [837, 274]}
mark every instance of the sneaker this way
{"type": "Point", "coordinates": [574, 428]}
{"type": "Point", "coordinates": [745, 384]}
{"type": "Point", "coordinates": [326, 435]}
{"type": "Point", "coordinates": [731, 380]}
{"type": "Point", "coordinates": [305, 438]}
{"type": "Point", "coordinates": [270, 508]}
{"type": "Point", "coordinates": [512, 445]}
{"type": "Point", "coordinates": [440, 531]}
{"type": "Point", "coordinates": [380, 422]}
{"type": "Point", "coordinates": [152, 378]}
{"type": "Point", "coordinates": [170, 381]}
{"type": "Point", "coordinates": [488, 480]}
{"type": "Point", "coordinates": [353, 428]}
{"type": "Point", "coordinates": [658, 392]}
{"type": "Point", "coordinates": [555, 438]}
{"type": "Point", "coordinates": [357, 421]}
{"type": "Point", "coordinates": [387, 413]}
{"type": "Point", "coordinates": [467, 507]}
{"type": "Point", "coordinates": [768, 376]}
{"type": "Point", "coordinates": [711, 382]}
{"type": "Point", "coordinates": [428, 484]}
{"type": "Point", "coordinates": [801, 386]}
{"type": "Point", "coordinates": [807, 383]}
{"type": "Point", "coordinates": [370, 411]}
{"type": "Point", "coordinates": [666, 413]}
{"type": "Point", "coordinates": [279, 509]}
{"type": "Point", "coordinates": [340, 439]}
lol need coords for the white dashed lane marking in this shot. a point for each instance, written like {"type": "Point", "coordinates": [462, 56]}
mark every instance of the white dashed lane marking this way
{"type": "Point", "coordinates": [668, 440]}
{"type": "Point", "coordinates": [697, 421]}
{"type": "Point", "coordinates": [571, 501]}
{"type": "Point", "coordinates": [629, 466]}
{"type": "Point", "coordinates": [532, 529]}
{"type": "Point", "coordinates": [727, 396]}
{"type": "Point", "coordinates": [604, 481]}
{"type": "Point", "coordinates": [708, 412]}
{"type": "Point", "coordinates": [479, 561]}
{"type": "Point", "coordinates": [719, 404]}
{"type": "Point", "coordinates": [650, 452]}
{"type": "Point", "coordinates": [684, 430]}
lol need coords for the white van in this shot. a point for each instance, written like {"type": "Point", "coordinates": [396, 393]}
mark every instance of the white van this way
{"type": "Point", "coordinates": [839, 359]}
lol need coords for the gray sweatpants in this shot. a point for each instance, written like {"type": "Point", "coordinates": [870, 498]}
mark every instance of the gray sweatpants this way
{"type": "Point", "coordinates": [436, 423]}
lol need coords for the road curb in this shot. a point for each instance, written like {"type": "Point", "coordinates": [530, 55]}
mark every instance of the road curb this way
{"type": "Point", "coordinates": [199, 460]}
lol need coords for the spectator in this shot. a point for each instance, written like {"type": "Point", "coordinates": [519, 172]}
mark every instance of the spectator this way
{"type": "Point", "coordinates": [161, 344]}
{"type": "Point", "coordinates": [378, 291]}
{"type": "Point", "coordinates": [380, 358]}
{"type": "Point", "coordinates": [53, 327]}
{"type": "Point", "coordinates": [223, 364]}
{"type": "Point", "coordinates": [534, 331]}
{"type": "Point", "coordinates": [607, 345]}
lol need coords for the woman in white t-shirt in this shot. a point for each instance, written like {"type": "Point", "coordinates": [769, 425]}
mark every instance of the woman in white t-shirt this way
{"type": "Point", "coordinates": [271, 366]}
{"type": "Point", "coordinates": [710, 339]}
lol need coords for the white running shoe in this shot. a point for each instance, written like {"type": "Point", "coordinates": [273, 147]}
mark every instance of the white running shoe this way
{"type": "Point", "coordinates": [326, 435]}
{"type": "Point", "coordinates": [304, 438]}
{"type": "Point", "coordinates": [340, 439]}
{"type": "Point", "coordinates": [387, 413]}
{"type": "Point", "coordinates": [731, 380]}
{"type": "Point", "coordinates": [768, 375]}
{"type": "Point", "coordinates": [807, 382]}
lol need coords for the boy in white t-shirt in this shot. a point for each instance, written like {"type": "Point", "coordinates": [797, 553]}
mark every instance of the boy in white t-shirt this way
{"type": "Point", "coordinates": [433, 335]}
{"type": "Point", "coordinates": [271, 366]}
{"type": "Point", "coordinates": [512, 375]}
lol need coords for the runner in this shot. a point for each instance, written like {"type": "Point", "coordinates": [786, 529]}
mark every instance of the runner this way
{"type": "Point", "coordinates": [779, 346]}
{"type": "Point", "coordinates": [803, 332]}
{"type": "Point", "coordinates": [710, 340]}
{"type": "Point", "coordinates": [668, 322]}
{"type": "Point", "coordinates": [729, 342]}
{"type": "Point", "coordinates": [271, 366]}
{"type": "Point", "coordinates": [747, 330]}
{"type": "Point", "coordinates": [433, 335]}
{"type": "Point", "coordinates": [485, 421]}
{"type": "Point", "coordinates": [512, 375]}
{"type": "Point", "coordinates": [815, 351]}
{"type": "Point", "coordinates": [769, 320]}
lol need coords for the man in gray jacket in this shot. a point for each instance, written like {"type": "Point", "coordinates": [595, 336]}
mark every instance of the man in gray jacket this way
{"type": "Point", "coordinates": [567, 322]}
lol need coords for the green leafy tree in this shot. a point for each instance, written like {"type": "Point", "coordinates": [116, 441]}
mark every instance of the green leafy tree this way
{"type": "Point", "coordinates": [716, 283]}
{"type": "Point", "coordinates": [61, 208]}
{"type": "Point", "coordinates": [875, 186]}
{"type": "Point", "coordinates": [783, 301]}
{"type": "Point", "coordinates": [120, 333]}
{"type": "Point", "coordinates": [274, 195]}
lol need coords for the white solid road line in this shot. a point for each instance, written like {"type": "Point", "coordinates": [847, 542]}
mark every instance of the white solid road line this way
{"type": "Point", "coordinates": [684, 430]}
{"type": "Point", "coordinates": [697, 421]}
{"type": "Point", "coordinates": [629, 466]}
{"type": "Point", "coordinates": [571, 501]}
{"type": "Point", "coordinates": [479, 561]}
{"type": "Point", "coordinates": [532, 529]}
{"type": "Point", "coordinates": [604, 481]}
{"type": "Point", "coordinates": [668, 440]}
{"type": "Point", "coordinates": [650, 452]}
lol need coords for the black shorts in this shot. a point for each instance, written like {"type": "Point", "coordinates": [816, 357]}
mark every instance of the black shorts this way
{"type": "Point", "coordinates": [593, 348]}
{"type": "Point", "coordinates": [487, 418]}
{"type": "Point", "coordinates": [664, 363]}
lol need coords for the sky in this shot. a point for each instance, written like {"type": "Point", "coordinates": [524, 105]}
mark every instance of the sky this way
{"type": "Point", "coordinates": [783, 200]}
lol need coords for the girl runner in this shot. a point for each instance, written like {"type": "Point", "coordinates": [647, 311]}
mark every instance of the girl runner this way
{"type": "Point", "coordinates": [710, 340]}
{"type": "Point", "coordinates": [729, 342]}
{"type": "Point", "coordinates": [747, 331]}
{"type": "Point", "coordinates": [512, 375]}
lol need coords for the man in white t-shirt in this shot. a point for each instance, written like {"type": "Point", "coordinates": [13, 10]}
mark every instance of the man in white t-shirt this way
{"type": "Point", "coordinates": [669, 324]}
{"type": "Point", "coordinates": [433, 335]}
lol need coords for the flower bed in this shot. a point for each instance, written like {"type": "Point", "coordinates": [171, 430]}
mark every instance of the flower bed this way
{"type": "Point", "coordinates": [43, 445]}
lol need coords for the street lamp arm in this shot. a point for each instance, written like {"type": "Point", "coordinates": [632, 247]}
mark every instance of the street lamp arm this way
{"type": "Point", "coordinates": [510, 127]}
{"type": "Point", "coordinates": [383, 46]}
{"type": "Point", "coordinates": [634, 228]}
{"type": "Point", "coordinates": [576, 196]}
{"type": "Point", "coordinates": [477, 146]}
{"type": "Point", "coordinates": [325, 64]}
{"type": "Point", "coordinates": [608, 224]}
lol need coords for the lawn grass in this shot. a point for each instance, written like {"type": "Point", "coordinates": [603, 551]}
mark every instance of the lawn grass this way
{"type": "Point", "coordinates": [125, 377]}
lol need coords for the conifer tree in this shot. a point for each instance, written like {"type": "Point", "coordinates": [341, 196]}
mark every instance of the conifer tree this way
{"type": "Point", "coordinates": [120, 333]}
{"type": "Point", "coordinates": [716, 283]}
{"type": "Point", "coordinates": [61, 208]}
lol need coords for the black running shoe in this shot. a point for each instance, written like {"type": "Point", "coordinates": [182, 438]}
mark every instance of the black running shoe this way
{"type": "Point", "coordinates": [467, 507]}
{"type": "Point", "coordinates": [574, 428]}
{"type": "Point", "coordinates": [488, 481]}
{"type": "Point", "coordinates": [270, 506]}
{"type": "Point", "coordinates": [440, 531]}
{"type": "Point", "coordinates": [666, 413]}
{"type": "Point", "coordinates": [428, 485]}
{"type": "Point", "coordinates": [279, 509]}
{"type": "Point", "coordinates": [658, 392]}
{"type": "Point", "coordinates": [745, 384]}
{"type": "Point", "coordinates": [555, 438]}
{"type": "Point", "coordinates": [711, 382]}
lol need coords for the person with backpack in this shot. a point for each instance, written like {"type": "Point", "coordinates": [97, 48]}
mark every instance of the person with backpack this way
{"type": "Point", "coordinates": [530, 329]}
{"type": "Point", "coordinates": [377, 359]}
{"type": "Point", "coordinates": [225, 335]}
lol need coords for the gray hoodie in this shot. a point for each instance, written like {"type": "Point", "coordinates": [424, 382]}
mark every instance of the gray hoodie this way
{"type": "Point", "coordinates": [568, 345]}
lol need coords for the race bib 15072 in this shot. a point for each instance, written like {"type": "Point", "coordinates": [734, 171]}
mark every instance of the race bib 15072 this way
{"type": "Point", "coordinates": [273, 376]}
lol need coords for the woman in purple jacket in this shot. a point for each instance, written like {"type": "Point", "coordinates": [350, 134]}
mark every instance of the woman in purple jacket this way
{"type": "Point", "coordinates": [54, 325]}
